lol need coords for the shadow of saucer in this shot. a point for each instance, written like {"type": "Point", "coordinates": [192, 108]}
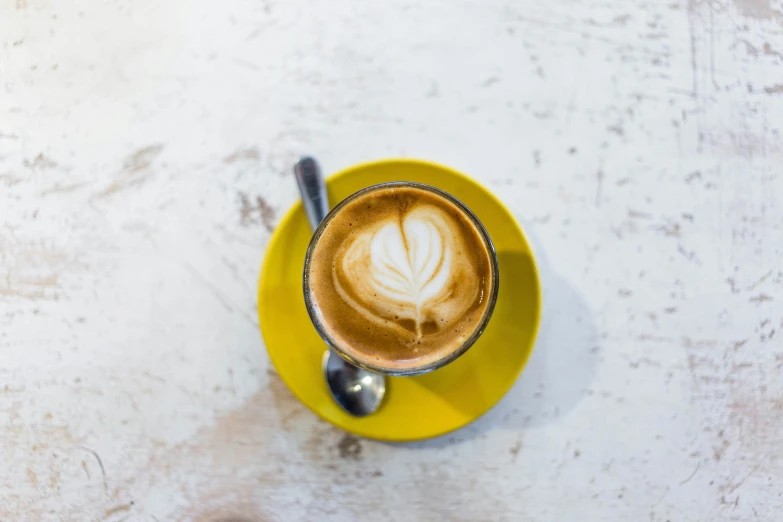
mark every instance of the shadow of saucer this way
{"type": "Point", "coordinates": [559, 372]}
{"type": "Point", "coordinates": [561, 368]}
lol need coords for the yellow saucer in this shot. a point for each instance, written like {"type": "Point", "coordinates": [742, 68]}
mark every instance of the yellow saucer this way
{"type": "Point", "coordinates": [414, 407]}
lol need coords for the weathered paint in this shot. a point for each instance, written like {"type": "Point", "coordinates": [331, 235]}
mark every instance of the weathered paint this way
{"type": "Point", "coordinates": [145, 154]}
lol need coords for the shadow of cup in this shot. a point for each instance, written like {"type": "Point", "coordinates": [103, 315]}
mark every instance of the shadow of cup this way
{"type": "Point", "coordinates": [561, 367]}
{"type": "Point", "coordinates": [563, 364]}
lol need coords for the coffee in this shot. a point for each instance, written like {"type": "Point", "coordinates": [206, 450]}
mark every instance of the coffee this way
{"type": "Point", "coordinates": [400, 277]}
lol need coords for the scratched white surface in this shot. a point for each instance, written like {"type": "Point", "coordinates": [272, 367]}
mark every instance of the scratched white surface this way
{"type": "Point", "coordinates": [145, 153]}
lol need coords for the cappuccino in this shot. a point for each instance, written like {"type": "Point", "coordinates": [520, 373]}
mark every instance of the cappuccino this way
{"type": "Point", "coordinates": [400, 277]}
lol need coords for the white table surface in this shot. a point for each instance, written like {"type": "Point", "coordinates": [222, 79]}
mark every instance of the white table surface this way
{"type": "Point", "coordinates": [145, 154]}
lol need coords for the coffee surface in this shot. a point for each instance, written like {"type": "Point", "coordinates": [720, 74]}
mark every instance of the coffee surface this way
{"type": "Point", "coordinates": [400, 277]}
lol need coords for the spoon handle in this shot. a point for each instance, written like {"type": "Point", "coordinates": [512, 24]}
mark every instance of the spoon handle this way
{"type": "Point", "coordinates": [313, 190]}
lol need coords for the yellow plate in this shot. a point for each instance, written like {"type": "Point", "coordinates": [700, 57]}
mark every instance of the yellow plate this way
{"type": "Point", "coordinates": [414, 407]}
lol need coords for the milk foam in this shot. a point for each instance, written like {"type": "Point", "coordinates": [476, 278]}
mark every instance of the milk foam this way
{"type": "Point", "coordinates": [405, 268]}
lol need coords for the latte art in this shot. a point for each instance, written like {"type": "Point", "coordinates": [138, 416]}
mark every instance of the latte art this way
{"type": "Point", "coordinates": [400, 277]}
{"type": "Point", "coordinates": [402, 271]}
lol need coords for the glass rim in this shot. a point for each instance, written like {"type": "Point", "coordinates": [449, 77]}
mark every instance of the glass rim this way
{"type": "Point", "coordinates": [451, 356]}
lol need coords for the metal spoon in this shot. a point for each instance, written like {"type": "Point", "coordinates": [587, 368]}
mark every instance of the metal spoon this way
{"type": "Point", "coordinates": [357, 391]}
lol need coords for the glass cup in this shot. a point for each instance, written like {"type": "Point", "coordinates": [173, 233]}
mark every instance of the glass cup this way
{"type": "Point", "coordinates": [448, 357]}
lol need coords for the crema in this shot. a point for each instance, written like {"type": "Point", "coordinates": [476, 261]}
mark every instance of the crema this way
{"type": "Point", "coordinates": [400, 276]}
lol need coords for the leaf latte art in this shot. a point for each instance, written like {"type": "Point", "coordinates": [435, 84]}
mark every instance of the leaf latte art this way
{"type": "Point", "coordinates": [404, 270]}
{"type": "Point", "coordinates": [399, 277]}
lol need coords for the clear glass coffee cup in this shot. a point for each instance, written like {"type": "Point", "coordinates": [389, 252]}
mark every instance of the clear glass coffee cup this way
{"type": "Point", "coordinates": [366, 362]}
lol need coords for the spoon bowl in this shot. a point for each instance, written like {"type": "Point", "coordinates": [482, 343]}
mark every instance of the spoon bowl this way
{"type": "Point", "coordinates": [356, 390]}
